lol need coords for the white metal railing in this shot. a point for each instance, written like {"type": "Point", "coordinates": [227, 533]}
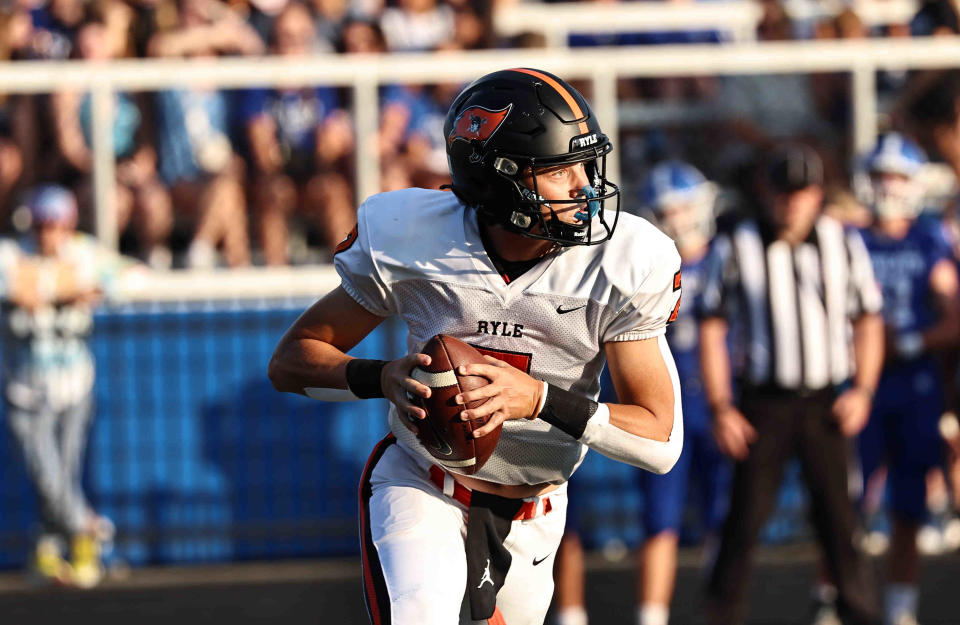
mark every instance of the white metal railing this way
{"type": "Point", "coordinates": [364, 73]}
{"type": "Point", "coordinates": [737, 18]}
{"type": "Point", "coordinates": [307, 282]}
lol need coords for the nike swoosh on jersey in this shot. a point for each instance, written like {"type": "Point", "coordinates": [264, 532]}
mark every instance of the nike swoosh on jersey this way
{"type": "Point", "coordinates": [562, 311]}
{"type": "Point", "coordinates": [536, 562]}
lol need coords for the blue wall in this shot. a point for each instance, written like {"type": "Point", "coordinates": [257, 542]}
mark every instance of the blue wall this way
{"type": "Point", "coordinates": [197, 458]}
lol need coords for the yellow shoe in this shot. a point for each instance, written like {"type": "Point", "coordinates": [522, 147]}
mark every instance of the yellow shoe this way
{"type": "Point", "coordinates": [87, 570]}
{"type": "Point", "coordinates": [48, 565]}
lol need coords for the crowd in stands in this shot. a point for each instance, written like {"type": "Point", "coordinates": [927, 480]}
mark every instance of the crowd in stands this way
{"type": "Point", "coordinates": [210, 177]}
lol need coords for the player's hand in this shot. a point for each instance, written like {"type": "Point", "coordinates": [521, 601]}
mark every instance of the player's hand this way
{"type": "Point", "coordinates": [852, 410]}
{"type": "Point", "coordinates": [733, 432]}
{"type": "Point", "coordinates": [398, 387]}
{"type": "Point", "coordinates": [512, 394]}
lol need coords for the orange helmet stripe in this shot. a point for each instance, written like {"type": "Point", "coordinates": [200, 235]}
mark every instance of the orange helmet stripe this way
{"type": "Point", "coordinates": [567, 97]}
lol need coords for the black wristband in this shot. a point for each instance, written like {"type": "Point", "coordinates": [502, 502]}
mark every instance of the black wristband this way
{"type": "Point", "coordinates": [567, 411]}
{"type": "Point", "coordinates": [363, 377]}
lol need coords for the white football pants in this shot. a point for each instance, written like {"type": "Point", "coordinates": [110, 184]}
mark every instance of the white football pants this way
{"type": "Point", "coordinates": [414, 560]}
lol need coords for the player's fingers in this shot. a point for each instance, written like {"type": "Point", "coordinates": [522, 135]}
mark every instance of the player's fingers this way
{"type": "Point", "coordinates": [485, 371]}
{"type": "Point", "coordinates": [495, 421]}
{"type": "Point", "coordinates": [478, 393]}
{"type": "Point", "coordinates": [408, 408]}
{"type": "Point", "coordinates": [416, 388]}
{"type": "Point", "coordinates": [486, 408]}
{"type": "Point", "coordinates": [496, 362]}
{"type": "Point", "coordinates": [419, 360]}
{"type": "Point", "coordinates": [411, 410]}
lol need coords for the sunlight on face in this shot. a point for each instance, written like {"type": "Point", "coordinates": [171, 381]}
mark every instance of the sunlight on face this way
{"type": "Point", "coordinates": [563, 182]}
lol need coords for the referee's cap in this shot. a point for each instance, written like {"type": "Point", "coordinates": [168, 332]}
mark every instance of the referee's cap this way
{"type": "Point", "coordinates": [793, 167]}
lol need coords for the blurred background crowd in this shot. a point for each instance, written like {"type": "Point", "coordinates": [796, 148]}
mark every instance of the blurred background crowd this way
{"type": "Point", "coordinates": [208, 177]}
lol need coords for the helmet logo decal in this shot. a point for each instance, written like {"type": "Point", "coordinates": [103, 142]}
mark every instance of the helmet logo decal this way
{"type": "Point", "coordinates": [477, 124]}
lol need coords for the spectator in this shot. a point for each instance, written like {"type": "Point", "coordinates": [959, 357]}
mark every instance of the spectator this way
{"type": "Point", "coordinates": [49, 282]}
{"type": "Point", "coordinates": [299, 142]}
{"type": "Point", "coordinates": [935, 17]}
{"type": "Point", "coordinates": [361, 36]}
{"type": "Point", "coordinates": [417, 25]}
{"type": "Point", "coordinates": [472, 29]}
{"type": "Point", "coordinates": [425, 146]}
{"type": "Point", "coordinates": [791, 281]}
{"type": "Point", "coordinates": [11, 162]}
{"type": "Point", "coordinates": [141, 201]}
{"type": "Point", "coordinates": [402, 108]}
{"type": "Point", "coordinates": [16, 33]}
{"type": "Point", "coordinates": [329, 17]}
{"type": "Point", "coordinates": [196, 158]}
{"type": "Point", "coordinates": [205, 27]}
{"type": "Point", "coordinates": [55, 26]}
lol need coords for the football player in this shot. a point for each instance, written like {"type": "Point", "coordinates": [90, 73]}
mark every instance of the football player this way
{"type": "Point", "coordinates": [913, 264]}
{"type": "Point", "coordinates": [529, 260]}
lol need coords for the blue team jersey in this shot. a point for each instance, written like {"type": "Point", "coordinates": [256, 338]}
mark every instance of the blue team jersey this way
{"type": "Point", "coordinates": [683, 335]}
{"type": "Point", "coordinates": [902, 269]}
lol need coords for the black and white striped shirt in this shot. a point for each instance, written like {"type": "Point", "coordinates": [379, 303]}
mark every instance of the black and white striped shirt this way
{"type": "Point", "coordinates": [790, 307]}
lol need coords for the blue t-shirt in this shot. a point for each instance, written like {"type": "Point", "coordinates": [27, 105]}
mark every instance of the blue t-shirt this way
{"type": "Point", "coordinates": [902, 269]}
{"type": "Point", "coordinates": [193, 138]}
{"type": "Point", "coordinates": [296, 112]}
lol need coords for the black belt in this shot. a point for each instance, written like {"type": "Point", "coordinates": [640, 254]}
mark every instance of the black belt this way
{"type": "Point", "coordinates": [776, 391]}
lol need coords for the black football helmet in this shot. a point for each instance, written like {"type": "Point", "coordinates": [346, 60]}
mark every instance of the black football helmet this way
{"type": "Point", "coordinates": [519, 122]}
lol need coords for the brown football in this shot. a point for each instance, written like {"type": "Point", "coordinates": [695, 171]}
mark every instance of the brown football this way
{"type": "Point", "coordinates": [442, 433]}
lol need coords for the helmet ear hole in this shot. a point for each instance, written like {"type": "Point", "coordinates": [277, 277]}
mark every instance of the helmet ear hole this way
{"type": "Point", "coordinates": [521, 220]}
{"type": "Point", "coordinates": [506, 166]}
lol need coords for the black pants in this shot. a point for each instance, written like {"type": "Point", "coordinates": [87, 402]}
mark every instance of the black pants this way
{"type": "Point", "coordinates": [787, 424]}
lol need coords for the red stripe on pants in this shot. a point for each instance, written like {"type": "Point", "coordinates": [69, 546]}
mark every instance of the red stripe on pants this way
{"type": "Point", "coordinates": [374, 586]}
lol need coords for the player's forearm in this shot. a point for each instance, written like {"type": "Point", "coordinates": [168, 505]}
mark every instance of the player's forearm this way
{"type": "Point", "coordinates": [636, 436]}
{"type": "Point", "coordinates": [868, 351]}
{"type": "Point", "coordinates": [298, 364]}
{"type": "Point", "coordinates": [646, 430]}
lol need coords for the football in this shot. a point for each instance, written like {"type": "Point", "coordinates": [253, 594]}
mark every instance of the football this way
{"type": "Point", "coordinates": [449, 439]}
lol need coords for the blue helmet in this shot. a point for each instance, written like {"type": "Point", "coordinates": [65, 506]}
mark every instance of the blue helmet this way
{"type": "Point", "coordinates": [679, 200]}
{"type": "Point", "coordinates": [887, 177]}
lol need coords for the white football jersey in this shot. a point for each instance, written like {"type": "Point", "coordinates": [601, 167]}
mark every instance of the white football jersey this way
{"type": "Point", "coordinates": [417, 253]}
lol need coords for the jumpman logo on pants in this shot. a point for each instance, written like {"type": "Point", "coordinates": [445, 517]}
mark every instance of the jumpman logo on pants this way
{"type": "Point", "coordinates": [486, 576]}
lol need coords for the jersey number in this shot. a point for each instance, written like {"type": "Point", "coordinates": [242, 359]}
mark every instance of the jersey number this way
{"type": "Point", "coordinates": [676, 287]}
{"type": "Point", "coordinates": [518, 360]}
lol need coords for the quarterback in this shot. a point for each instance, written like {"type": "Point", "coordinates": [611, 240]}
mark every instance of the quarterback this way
{"type": "Point", "coordinates": [521, 261]}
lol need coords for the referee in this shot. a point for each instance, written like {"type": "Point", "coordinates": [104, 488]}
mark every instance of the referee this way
{"type": "Point", "coordinates": [788, 287]}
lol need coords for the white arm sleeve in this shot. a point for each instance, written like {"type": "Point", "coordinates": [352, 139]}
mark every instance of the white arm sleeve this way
{"type": "Point", "coordinates": [656, 456]}
{"type": "Point", "coordinates": [330, 394]}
